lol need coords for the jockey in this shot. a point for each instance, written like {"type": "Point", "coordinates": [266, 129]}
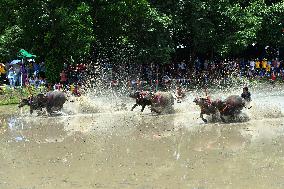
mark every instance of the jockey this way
{"type": "Point", "coordinates": [180, 94]}
{"type": "Point", "coordinates": [246, 96]}
{"type": "Point", "coordinates": [208, 99]}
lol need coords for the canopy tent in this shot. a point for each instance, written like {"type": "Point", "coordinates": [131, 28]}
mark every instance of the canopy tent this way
{"type": "Point", "coordinates": [13, 62]}
{"type": "Point", "coordinates": [25, 54]}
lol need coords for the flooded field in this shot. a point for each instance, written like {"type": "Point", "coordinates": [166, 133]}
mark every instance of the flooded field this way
{"type": "Point", "coordinates": [102, 146]}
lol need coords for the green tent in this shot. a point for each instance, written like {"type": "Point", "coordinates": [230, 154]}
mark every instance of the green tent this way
{"type": "Point", "coordinates": [25, 54]}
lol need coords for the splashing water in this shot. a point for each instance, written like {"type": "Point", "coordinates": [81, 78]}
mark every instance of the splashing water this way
{"type": "Point", "coordinates": [96, 137]}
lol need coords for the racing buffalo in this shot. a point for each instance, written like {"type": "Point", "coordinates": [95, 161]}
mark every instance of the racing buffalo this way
{"type": "Point", "coordinates": [206, 107]}
{"type": "Point", "coordinates": [52, 101]}
{"type": "Point", "coordinates": [231, 106]}
{"type": "Point", "coordinates": [159, 101]}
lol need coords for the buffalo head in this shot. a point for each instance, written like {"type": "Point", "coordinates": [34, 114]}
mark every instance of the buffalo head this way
{"type": "Point", "coordinates": [200, 101]}
{"type": "Point", "coordinates": [135, 94]}
{"type": "Point", "coordinates": [24, 102]}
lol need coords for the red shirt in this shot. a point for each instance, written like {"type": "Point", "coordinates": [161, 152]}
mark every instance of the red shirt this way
{"type": "Point", "coordinates": [273, 77]}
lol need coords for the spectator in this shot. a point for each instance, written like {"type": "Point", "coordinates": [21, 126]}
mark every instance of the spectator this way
{"type": "Point", "coordinates": [268, 68]}
{"type": "Point", "coordinates": [182, 68]}
{"type": "Point", "coordinates": [257, 66]}
{"type": "Point", "coordinates": [264, 65]}
{"type": "Point", "coordinates": [11, 76]}
{"type": "Point", "coordinates": [17, 74]}
{"type": "Point", "coordinates": [2, 73]}
{"type": "Point", "coordinates": [63, 78]}
{"type": "Point", "coordinates": [252, 65]}
{"type": "Point", "coordinates": [36, 69]}
{"type": "Point", "coordinates": [42, 70]}
{"type": "Point", "coordinates": [32, 80]}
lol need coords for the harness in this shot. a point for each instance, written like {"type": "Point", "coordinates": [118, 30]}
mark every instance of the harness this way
{"type": "Point", "coordinates": [224, 108]}
{"type": "Point", "coordinates": [158, 98]}
{"type": "Point", "coordinates": [143, 94]}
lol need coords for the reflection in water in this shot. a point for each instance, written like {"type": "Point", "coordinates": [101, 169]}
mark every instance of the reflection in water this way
{"type": "Point", "coordinates": [15, 126]}
{"type": "Point", "coordinates": [125, 149]}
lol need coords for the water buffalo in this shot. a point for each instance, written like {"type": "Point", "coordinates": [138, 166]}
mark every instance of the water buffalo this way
{"type": "Point", "coordinates": [158, 101]}
{"type": "Point", "coordinates": [52, 101]}
{"type": "Point", "coordinates": [37, 102]}
{"type": "Point", "coordinates": [231, 106]}
{"type": "Point", "coordinates": [206, 107]}
{"type": "Point", "coordinates": [55, 101]}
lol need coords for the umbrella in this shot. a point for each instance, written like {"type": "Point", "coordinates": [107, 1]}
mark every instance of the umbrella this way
{"type": "Point", "coordinates": [15, 62]}
{"type": "Point", "coordinates": [25, 54]}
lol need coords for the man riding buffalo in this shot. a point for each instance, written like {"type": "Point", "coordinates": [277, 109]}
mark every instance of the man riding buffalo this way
{"type": "Point", "coordinates": [52, 101]}
{"type": "Point", "coordinates": [231, 106]}
{"type": "Point", "coordinates": [159, 101]}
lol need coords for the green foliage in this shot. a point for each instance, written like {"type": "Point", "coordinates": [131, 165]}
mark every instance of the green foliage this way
{"type": "Point", "coordinates": [135, 28]}
{"type": "Point", "coordinates": [141, 31]}
{"type": "Point", "coordinates": [14, 95]}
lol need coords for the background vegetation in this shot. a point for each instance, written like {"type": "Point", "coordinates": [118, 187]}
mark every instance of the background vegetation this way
{"type": "Point", "coordinates": [136, 31]}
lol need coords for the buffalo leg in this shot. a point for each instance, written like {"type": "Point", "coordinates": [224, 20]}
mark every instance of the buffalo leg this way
{"type": "Point", "coordinates": [203, 119]}
{"type": "Point", "coordinates": [222, 118]}
{"type": "Point", "coordinates": [48, 109]}
{"type": "Point", "coordinates": [154, 110]}
{"type": "Point", "coordinates": [143, 107]}
{"type": "Point", "coordinates": [134, 107]}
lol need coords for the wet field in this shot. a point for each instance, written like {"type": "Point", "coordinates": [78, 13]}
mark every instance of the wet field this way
{"type": "Point", "coordinates": [94, 144]}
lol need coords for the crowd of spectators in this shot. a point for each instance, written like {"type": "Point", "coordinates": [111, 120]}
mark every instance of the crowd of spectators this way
{"type": "Point", "coordinates": [204, 72]}
{"type": "Point", "coordinates": [32, 74]}
{"type": "Point", "coordinates": [154, 76]}
{"type": "Point", "coordinates": [21, 74]}
{"type": "Point", "coordinates": [71, 78]}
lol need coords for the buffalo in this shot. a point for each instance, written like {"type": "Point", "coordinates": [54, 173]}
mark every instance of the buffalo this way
{"type": "Point", "coordinates": [206, 107]}
{"type": "Point", "coordinates": [159, 101]}
{"type": "Point", "coordinates": [52, 101]}
{"type": "Point", "coordinates": [231, 106]}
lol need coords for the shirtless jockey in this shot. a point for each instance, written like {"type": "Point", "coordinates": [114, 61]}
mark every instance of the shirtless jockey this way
{"type": "Point", "coordinates": [180, 94]}
{"type": "Point", "coordinates": [246, 96]}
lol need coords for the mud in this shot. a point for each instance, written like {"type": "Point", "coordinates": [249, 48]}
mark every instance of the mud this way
{"type": "Point", "coordinates": [96, 143]}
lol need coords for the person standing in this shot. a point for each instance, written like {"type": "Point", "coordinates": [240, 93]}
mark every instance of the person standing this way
{"type": "Point", "coordinates": [11, 76]}
{"type": "Point", "coordinates": [2, 73]}
{"type": "Point", "coordinates": [257, 66]}
{"type": "Point", "coordinates": [63, 78]}
{"type": "Point", "coordinates": [252, 65]}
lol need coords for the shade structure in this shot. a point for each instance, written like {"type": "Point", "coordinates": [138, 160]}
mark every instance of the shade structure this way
{"type": "Point", "coordinates": [25, 54]}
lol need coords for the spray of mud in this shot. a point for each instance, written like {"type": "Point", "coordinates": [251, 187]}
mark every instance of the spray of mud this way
{"type": "Point", "coordinates": [91, 112]}
{"type": "Point", "coordinates": [96, 135]}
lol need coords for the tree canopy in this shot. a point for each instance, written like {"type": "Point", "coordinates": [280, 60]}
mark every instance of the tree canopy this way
{"type": "Point", "coordinates": [140, 31]}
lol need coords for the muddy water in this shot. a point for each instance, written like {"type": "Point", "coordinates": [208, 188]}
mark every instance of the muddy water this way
{"type": "Point", "coordinates": [115, 148]}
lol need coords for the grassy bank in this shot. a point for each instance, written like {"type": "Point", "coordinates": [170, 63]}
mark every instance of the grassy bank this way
{"type": "Point", "coordinates": [10, 96]}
